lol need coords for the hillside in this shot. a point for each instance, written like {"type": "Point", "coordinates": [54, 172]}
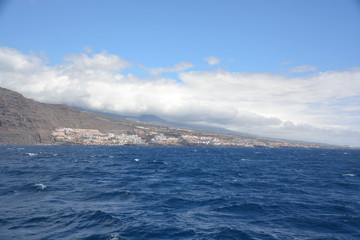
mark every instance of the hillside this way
{"type": "Point", "coordinates": [25, 121]}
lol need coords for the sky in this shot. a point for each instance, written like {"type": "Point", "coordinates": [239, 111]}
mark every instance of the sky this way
{"type": "Point", "coordinates": [283, 68]}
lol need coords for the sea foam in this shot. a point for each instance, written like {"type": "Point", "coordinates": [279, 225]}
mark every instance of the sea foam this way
{"type": "Point", "coordinates": [40, 186]}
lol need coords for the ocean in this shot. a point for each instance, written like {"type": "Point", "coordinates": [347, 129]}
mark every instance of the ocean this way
{"type": "Point", "coordinates": [129, 192]}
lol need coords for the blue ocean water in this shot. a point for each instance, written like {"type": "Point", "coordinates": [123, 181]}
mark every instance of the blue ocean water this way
{"type": "Point", "coordinates": [84, 192]}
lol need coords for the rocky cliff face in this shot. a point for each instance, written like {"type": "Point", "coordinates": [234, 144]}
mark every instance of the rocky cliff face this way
{"type": "Point", "coordinates": [24, 121]}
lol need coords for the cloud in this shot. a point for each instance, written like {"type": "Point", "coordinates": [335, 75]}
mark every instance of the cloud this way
{"type": "Point", "coordinates": [13, 60]}
{"type": "Point", "coordinates": [212, 60]}
{"type": "Point", "coordinates": [101, 61]}
{"type": "Point", "coordinates": [319, 107]}
{"type": "Point", "coordinates": [182, 66]}
{"type": "Point", "coordinates": [88, 49]}
{"type": "Point", "coordinates": [303, 69]}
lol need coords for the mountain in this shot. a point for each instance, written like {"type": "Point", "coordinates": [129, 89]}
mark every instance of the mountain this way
{"type": "Point", "coordinates": [148, 118]}
{"type": "Point", "coordinates": [24, 121]}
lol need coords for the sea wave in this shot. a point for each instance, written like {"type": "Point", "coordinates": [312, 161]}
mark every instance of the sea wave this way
{"type": "Point", "coordinates": [71, 192]}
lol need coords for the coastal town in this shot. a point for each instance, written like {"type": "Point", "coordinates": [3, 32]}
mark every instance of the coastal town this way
{"type": "Point", "coordinates": [167, 137]}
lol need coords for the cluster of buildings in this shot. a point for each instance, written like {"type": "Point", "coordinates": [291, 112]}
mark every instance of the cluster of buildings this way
{"type": "Point", "coordinates": [161, 139]}
{"type": "Point", "coordinates": [93, 137]}
{"type": "Point", "coordinates": [231, 141]}
{"type": "Point", "coordinates": [145, 136]}
{"type": "Point", "coordinates": [206, 140]}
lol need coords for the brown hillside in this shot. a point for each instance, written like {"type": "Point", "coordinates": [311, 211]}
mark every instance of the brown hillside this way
{"type": "Point", "coordinates": [25, 121]}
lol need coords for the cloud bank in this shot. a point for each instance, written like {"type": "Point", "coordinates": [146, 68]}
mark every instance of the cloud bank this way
{"type": "Point", "coordinates": [322, 106]}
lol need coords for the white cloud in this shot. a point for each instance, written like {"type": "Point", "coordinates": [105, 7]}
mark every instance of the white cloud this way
{"type": "Point", "coordinates": [303, 69]}
{"type": "Point", "coordinates": [101, 61]}
{"type": "Point", "coordinates": [182, 66]}
{"type": "Point", "coordinates": [13, 60]}
{"type": "Point", "coordinates": [318, 107]}
{"type": "Point", "coordinates": [212, 60]}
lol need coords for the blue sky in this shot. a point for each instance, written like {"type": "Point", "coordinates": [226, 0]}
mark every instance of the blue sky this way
{"type": "Point", "coordinates": [251, 61]}
{"type": "Point", "coordinates": [259, 35]}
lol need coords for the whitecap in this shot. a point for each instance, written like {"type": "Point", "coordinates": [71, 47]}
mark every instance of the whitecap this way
{"type": "Point", "coordinates": [40, 186]}
{"type": "Point", "coordinates": [32, 154]}
{"type": "Point", "coordinates": [160, 162]}
{"type": "Point", "coordinates": [349, 175]}
{"type": "Point", "coordinates": [136, 159]}
{"type": "Point", "coordinates": [114, 236]}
